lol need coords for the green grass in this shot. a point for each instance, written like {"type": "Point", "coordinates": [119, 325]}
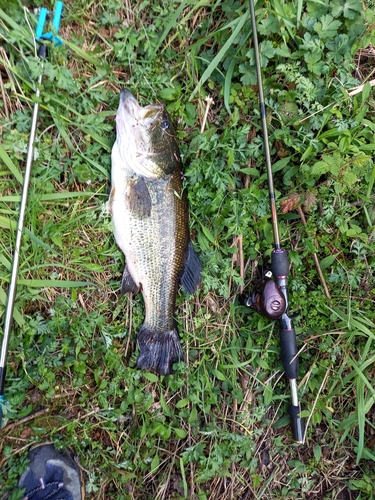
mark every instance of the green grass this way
{"type": "Point", "coordinates": [218, 428]}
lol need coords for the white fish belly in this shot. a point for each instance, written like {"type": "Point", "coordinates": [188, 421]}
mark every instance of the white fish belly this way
{"type": "Point", "coordinates": [153, 252]}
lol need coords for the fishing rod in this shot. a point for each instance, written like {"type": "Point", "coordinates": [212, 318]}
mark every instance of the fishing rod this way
{"type": "Point", "coordinates": [271, 298]}
{"type": "Point", "coordinates": [52, 37]}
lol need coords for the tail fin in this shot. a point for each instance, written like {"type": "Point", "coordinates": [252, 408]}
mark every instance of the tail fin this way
{"type": "Point", "coordinates": [158, 350]}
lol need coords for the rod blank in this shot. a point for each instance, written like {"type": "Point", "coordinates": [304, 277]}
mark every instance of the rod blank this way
{"type": "Point", "coordinates": [8, 317]}
{"type": "Point", "coordinates": [280, 266]}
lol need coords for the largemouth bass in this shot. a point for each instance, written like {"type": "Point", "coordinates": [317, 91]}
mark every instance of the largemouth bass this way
{"type": "Point", "coordinates": [149, 210]}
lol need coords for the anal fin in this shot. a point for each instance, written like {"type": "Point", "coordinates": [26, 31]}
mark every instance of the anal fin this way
{"type": "Point", "coordinates": [128, 284]}
{"type": "Point", "coordinates": [191, 277]}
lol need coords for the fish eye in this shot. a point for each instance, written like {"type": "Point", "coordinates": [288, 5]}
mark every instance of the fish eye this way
{"type": "Point", "coordinates": [164, 125]}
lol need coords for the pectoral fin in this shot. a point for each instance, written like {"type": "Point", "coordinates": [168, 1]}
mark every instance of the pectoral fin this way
{"type": "Point", "coordinates": [191, 277]}
{"type": "Point", "coordinates": [138, 199]}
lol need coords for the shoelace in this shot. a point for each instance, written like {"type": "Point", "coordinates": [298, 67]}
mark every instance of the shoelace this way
{"type": "Point", "coordinates": [53, 484]}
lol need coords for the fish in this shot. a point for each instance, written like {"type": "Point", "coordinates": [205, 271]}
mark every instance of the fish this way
{"type": "Point", "coordinates": [150, 213]}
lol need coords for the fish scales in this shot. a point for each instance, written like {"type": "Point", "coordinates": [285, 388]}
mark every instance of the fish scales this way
{"type": "Point", "coordinates": [149, 210]}
{"type": "Point", "coordinates": [161, 244]}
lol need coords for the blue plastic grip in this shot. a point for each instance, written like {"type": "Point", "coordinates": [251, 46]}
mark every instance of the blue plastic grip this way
{"type": "Point", "coordinates": [50, 36]}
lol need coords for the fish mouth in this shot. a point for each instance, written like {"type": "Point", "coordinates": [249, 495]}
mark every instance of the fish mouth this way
{"type": "Point", "coordinates": [131, 109]}
{"type": "Point", "coordinates": [136, 127]}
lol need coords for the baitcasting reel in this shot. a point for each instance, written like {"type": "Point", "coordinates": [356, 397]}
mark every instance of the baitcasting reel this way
{"type": "Point", "coordinates": [267, 299]}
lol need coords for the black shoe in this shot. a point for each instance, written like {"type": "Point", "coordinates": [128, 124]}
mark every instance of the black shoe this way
{"type": "Point", "coordinates": [51, 475]}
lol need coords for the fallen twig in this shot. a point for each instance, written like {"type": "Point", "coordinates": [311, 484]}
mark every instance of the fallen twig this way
{"type": "Point", "coordinates": [209, 101]}
{"type": "Point", "coordinates": [17, 452]}
{"type": "Point", "coordinates": [21, 421]}
{"type": "Point", "coordinates": [315, 257]}
{"type": "Point", "coordinates": [357, 90]}
{"type": "Point", "coordinates": [322, 385]}
{"type": "Point", "coordinates": [353, 91]}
